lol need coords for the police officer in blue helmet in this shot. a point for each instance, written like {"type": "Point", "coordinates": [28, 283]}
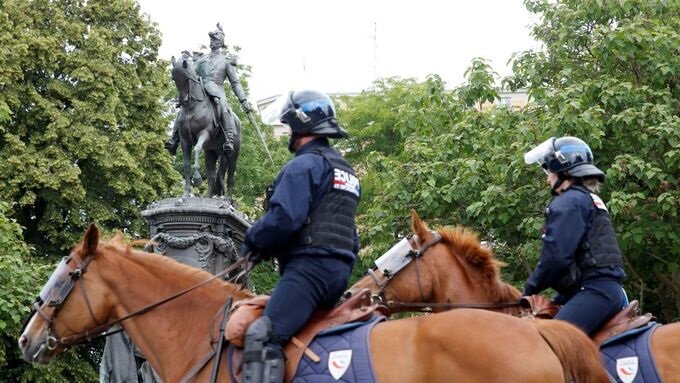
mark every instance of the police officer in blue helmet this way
{"type": "Point", "coordinates": [308, 226]}
{"type": "Point", "coordinates": [580, 256]}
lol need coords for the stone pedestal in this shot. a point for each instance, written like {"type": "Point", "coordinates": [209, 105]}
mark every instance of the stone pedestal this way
{"type": "Point", "coordinates": [202, 232]}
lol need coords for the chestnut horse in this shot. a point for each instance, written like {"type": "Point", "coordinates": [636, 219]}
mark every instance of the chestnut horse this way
{"type": "Point", "coordinates": [457, 271]}
{"type": "Point", "coordinates": [101, 282]}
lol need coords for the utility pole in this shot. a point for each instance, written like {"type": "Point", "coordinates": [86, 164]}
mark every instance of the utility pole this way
{"type": "Point", "coordinates": [375, 53]}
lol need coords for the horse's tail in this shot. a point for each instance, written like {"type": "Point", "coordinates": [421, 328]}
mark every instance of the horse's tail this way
{"type": "Point", "coordinates": [579, 357]}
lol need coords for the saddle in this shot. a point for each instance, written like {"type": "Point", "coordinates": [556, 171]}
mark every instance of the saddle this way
{"type": "Point", "coordinates": [247, 311]}
{"type": "Point", "coordinates": [538, 306]}
{"type": "Point", "coordinates": [626, 319]}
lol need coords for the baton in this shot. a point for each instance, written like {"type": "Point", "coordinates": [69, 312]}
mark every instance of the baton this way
{"type": "Point", "coordinates": [259, 133]}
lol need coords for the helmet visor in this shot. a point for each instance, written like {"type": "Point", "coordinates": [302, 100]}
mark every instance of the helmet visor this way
{"type": "Point", "coordinates": [540, 152]}
{"type": "Point", "coordinates": [272, 113]}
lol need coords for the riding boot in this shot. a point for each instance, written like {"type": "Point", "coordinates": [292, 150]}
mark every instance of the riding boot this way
{"type": "Point", "coordinates": [228, 129]}
{"type": "Point", "coordinates": [173, 142]}
{"type": "Point", "coordinates": [263, 360]}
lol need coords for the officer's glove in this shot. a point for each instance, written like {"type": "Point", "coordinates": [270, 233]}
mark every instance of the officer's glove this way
{"type": "Point", "coordinates": [256, 257]}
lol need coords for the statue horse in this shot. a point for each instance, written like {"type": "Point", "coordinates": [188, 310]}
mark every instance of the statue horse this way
{"type": "Point", "coordinates": [105, 282]}
{"type": "Point", "coordinates": [452, 269]}
{"type": "Point", "coordinates": [198, 127]}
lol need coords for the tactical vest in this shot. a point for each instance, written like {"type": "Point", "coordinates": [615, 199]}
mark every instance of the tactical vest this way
{"type": "Point", "coordinates": [599, 247]}
{"type": "Point", "coordinates": [331, 222]}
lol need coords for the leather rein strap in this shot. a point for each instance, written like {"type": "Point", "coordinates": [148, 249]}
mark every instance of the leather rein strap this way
{"type": "Point", "coordinates": [423, 306]}
{"type": "Point", "coordinates": [428, 307]}
{"type": "Point", "coordinates": [87, 335]}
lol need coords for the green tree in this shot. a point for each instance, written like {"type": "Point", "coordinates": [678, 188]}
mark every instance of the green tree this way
{"type": "Point", "coordinates": [609, 74]}
{"type": "Point", "coordinates": [20, 278]}
{"type": "Point", "coordinates": [82, 117]}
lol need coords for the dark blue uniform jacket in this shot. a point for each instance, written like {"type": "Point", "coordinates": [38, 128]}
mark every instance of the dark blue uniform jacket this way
{"type": "Point", "coordinates": [567, 223]}
{"type": "Point", "coordinates": [297, 190]}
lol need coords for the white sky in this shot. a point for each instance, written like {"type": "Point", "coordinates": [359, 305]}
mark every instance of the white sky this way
{"type": "Point", "coordinates": [342, 46]}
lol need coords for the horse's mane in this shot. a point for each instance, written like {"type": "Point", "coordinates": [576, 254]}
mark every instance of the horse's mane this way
{"type": "Point", "coordinates": [465, 242]}
{"type": "Point", "coordinates": [195, 275]}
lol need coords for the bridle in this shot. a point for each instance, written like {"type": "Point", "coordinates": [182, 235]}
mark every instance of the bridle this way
{"type": "Point", "coordinates": [189, 77]}
{"type": "Point", "coordinates": [54, 293]}
{"type": "Point", "coordinates": [61, 283]}
{"type": "Point", "coordinates": [418, 250]}
{"type": "Point", "coordinates": [189, 81]}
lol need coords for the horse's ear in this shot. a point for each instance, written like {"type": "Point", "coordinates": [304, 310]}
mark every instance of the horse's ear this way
{"type": "Point", "coordinates": [418, 226]}
{"type": "Point", "coordinates": [184, 64]}
{"type": "Point", "coordinates": [91, 239]}
{"type": "Point", "coordinates": [172, 59]}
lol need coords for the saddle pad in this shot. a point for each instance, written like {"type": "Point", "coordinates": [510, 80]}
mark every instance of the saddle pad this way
{"type": "Point", "coordinates": [345, 356]}
{"type": "Point", "coordinates": [628, 358]}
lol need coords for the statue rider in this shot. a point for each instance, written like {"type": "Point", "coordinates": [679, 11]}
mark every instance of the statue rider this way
{"type": "Point", "coordinates": [213, 69]}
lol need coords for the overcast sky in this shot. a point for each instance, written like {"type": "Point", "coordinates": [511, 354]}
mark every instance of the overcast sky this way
{"type": "Point", "coordinates": [342, 46]}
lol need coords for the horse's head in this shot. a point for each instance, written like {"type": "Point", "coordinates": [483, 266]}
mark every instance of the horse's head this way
{"type": "Point", "coordinates": [71, 304]}
{"type": "Point", "coordinates": [429, 268]}
{"type": "Point", "coordinates": [184, 75]}
{"type": "Point", "coordinates": [405, 272]}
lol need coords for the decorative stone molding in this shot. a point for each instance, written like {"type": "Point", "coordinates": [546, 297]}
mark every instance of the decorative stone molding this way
{"type": "Point", "coordinates": [201, 232]}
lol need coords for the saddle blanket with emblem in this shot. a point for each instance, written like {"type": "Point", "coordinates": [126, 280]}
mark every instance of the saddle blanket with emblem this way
{"type": "Point", "coordinates": [628, 357]}
{"type": "Point", "coordinates": [345, 355]}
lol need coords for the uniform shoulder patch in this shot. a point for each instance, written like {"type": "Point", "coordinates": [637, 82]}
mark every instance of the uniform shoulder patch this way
{"type": "Point", "coordinates": [597, 201]}
{"type": "Point", "coordinates": [346, 181]}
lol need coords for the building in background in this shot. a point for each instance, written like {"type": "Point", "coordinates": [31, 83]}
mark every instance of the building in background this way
{"type": "Point", "coordinates": [515, 100]}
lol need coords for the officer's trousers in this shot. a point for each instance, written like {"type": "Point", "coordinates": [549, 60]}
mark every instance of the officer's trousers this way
{"type": "Point", "coordinates": [307, 283]}
{"type": "Point", "coordinates": [595, 302]}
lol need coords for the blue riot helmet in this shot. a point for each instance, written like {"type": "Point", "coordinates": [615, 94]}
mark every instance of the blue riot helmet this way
{"type": "Point", "coordinates": [566, 156]}
{"type": "Point", "coordinates": [306, 112]}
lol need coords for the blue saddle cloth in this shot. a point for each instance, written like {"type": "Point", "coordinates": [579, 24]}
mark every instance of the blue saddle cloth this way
{"type": "Point", "coordinates": [345, 355]}
{"type": "Point", "coordinates": [628, 357]}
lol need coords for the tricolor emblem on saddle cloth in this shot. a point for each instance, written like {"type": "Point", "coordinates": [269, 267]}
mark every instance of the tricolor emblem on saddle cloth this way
{"type": "Point", "coordinates": [627, 369]}
{"type": "Point", "coordinates": [338, 362]}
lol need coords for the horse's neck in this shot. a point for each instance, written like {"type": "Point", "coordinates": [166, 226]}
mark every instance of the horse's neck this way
{"type": "Point", "coordinates": [470, 286]}
{"type": "Point", "coordinates": [175, 335]}
{"type": "Point", "coordinates": [193, 93]}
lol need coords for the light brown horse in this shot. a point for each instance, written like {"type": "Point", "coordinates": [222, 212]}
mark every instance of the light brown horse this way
{"type": "Point", "coordinates": [457, 270]}
{"type": "Point", "coordinates": [101, 282]}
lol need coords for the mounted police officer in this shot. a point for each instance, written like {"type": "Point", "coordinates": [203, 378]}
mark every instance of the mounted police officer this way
{"type": "Point", "coordinates": [309, 226]}
{"type": "Point", "coordinates": [213, 69]}
{"type": "Point", "coordinates": [580, 257]}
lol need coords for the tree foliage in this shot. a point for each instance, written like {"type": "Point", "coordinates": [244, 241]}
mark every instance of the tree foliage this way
{"type": "Point", "coordinates": [81, 117]}
{"type": "Point", "coordinates": [20, 278]}
{"type": "Point", "coordinates": [607, 74]}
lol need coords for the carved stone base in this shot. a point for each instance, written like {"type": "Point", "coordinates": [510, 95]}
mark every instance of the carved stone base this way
{"type": "Point", "coordinates": [201, 232]}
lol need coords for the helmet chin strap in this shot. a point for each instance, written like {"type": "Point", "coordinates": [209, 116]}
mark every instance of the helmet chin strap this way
{"type": "Point", "coordinates": [293, 139]}
{"type": "Point", "coordinates": [560, 180]}
{"type": "Point", "coordinates": [291, 142]}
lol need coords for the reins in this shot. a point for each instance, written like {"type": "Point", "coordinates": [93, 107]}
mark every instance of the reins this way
{"type": "Point", "coordinates": [99, 330]}
{"type": "Point", "coordinates": [426, 306]}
